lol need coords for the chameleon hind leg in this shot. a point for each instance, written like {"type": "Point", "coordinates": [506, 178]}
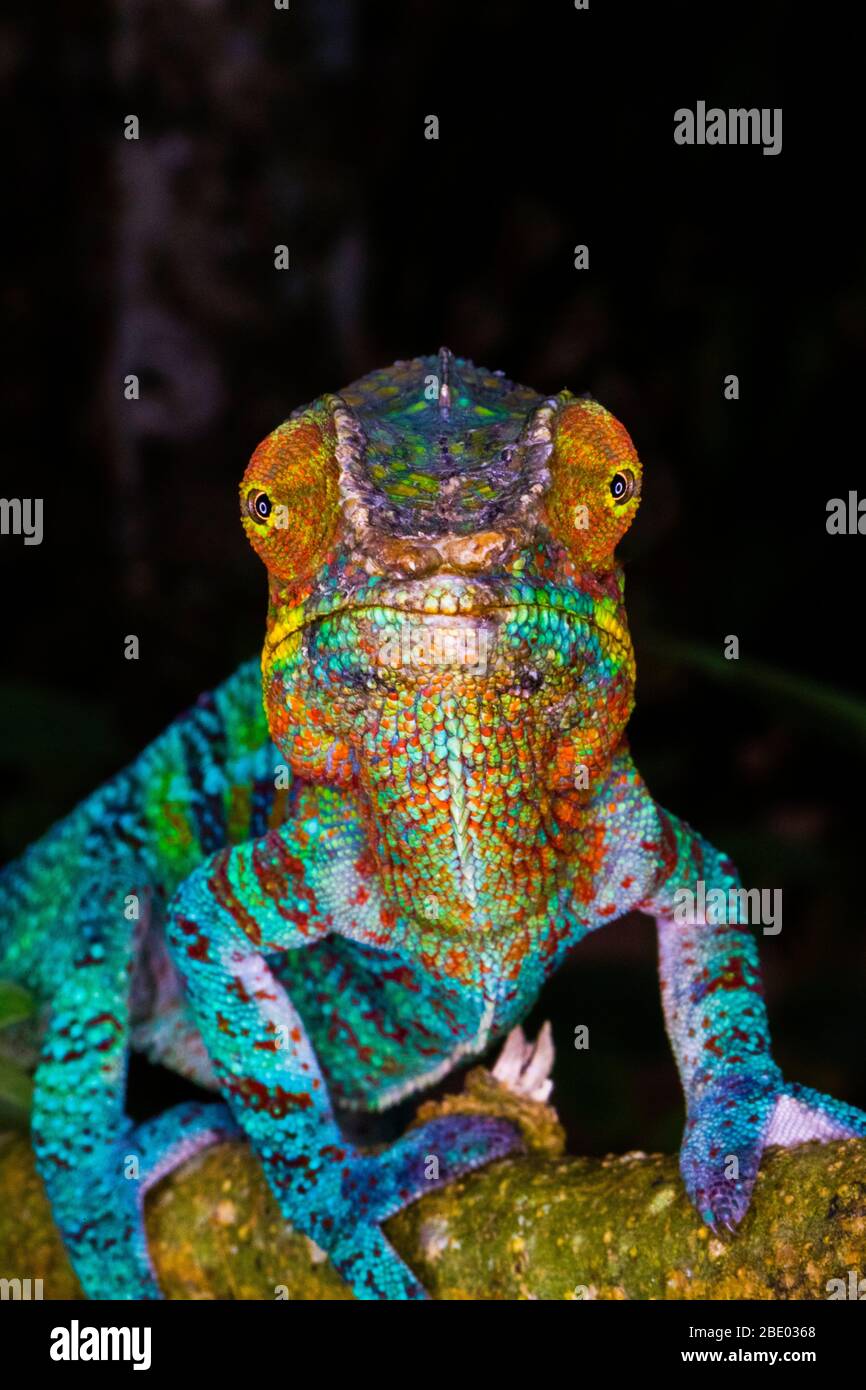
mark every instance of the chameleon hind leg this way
{"type": "Point", "coordinates": [246, 904]}
{"type": "Point", "coordinates": [96, 1164]}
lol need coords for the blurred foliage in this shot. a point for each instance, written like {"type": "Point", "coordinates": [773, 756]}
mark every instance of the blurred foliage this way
{"type": "Point", "coordinates": [15, 1003]}
{"type": "Point", "coordinates": [842, 716]}
{"type": "Point", "coordinates": [16, 1090]}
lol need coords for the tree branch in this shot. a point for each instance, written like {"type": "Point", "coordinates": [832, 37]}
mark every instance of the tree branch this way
{"type": "Point", "coordinates": [541, 1225]}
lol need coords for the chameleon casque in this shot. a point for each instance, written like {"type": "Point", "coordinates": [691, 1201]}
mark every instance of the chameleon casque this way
{"type": "Point", "coordinates": [358, 862]}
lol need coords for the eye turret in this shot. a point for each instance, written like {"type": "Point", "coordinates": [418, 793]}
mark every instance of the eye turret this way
{"type": "Point", "coordinates": [290, 495]}
{"type": "Point", "coordinates": [595, 482]}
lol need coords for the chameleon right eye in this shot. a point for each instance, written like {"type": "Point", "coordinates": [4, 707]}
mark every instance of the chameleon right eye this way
{"type": "Point", "coordinates": [290, 495]}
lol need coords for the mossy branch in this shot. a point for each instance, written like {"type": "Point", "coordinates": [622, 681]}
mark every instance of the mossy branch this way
{"type": "Point", "coordinates": [541, 1225]}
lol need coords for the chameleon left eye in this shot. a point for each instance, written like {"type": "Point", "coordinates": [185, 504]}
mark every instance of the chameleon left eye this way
{"type": "Point", "coordinates": [622, 486]}
{"type": "Point", "coordinates": [259, 506]}
{"type": "Point", "coordinates": [595, 476]}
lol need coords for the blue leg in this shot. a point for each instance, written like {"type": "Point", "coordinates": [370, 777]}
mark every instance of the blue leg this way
{"type": "Point", "coordinates": [737, 1101]}
{"type": "Point", "coordinates": [250, 903]}
{"type": "Point", "coordinates": [95, 1164]}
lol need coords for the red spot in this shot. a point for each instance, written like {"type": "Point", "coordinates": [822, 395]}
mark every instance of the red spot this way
{"type": "Point", "coordinates": [365, 864]}
{"type": "Point", "coordinates": [332, 1151]}
{"type": "Point", "coordinates": [401, 975]}
{"type": "Point", "coordinates": [278, 1103]}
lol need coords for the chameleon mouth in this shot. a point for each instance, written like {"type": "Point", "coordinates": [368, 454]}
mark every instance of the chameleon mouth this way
{"type": "Point", "coordinates": [467, 603]}
{"type": "Point", "coordinates": [448, 597]}
{"type": "Point", "coordinates": [453, 597]}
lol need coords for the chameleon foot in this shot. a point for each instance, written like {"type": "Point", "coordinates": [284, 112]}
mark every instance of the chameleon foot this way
{"type": "Point", "coordinates": [98, 1203]}
{"type": "Point", "coordinates": [732, 1125]}
{"type": "Point", "coordinates": [343, 1215]}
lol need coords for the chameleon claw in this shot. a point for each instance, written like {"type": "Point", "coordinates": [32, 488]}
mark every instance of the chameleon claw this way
{"type": "Point", "coordinates": [524, 1067]}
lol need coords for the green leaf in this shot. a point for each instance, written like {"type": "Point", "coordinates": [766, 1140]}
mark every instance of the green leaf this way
{"type": "Point", "coordinates": [16, 1003]}
{"type": "Point", "coordinates": [16, 1092]}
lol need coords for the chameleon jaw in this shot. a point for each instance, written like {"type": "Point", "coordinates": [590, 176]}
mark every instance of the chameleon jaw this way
{"type": "Point", "coordinates": [452, 595]}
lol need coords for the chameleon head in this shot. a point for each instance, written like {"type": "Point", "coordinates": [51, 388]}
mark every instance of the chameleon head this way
{"type": "Point", "coordinates": [446, 631]}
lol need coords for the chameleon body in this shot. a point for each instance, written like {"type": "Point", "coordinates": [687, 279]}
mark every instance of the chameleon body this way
{"type": "Point", "coordinates": [354, 866]}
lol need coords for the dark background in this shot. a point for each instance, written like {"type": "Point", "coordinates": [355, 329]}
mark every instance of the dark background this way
{"type": "Point", "coordinates": [261, 127]}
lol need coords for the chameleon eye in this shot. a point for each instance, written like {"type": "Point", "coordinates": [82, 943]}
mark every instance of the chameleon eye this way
{"type": "Point", "coordinates": [259, 506]}
{"type": "Point", "coordinates": [595, 478]}
{"type": "Point", "coordinates": [622, 486]}
{"type": "Point", "coordinates": [290, 494]}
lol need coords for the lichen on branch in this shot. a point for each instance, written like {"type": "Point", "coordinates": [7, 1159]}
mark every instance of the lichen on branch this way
{"type": "Point", "coordinates": [540, 1225]}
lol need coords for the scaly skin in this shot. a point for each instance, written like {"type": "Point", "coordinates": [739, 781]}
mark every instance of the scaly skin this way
{"type": "Point", "coordinates": [346, 893]}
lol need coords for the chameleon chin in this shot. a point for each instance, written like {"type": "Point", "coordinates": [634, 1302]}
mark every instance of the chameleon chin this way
{"type": "Point", "coordinates": [446, 681]}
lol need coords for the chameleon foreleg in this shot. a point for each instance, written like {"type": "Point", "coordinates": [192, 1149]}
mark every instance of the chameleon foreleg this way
{"type": "Point", "coordinates": [278, 894]}
{"type": "Point", "coordinates": [736, 1100]}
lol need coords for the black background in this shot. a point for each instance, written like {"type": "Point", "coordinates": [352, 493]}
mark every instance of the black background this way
{"type": "Point", "coordinates": [261, 127]}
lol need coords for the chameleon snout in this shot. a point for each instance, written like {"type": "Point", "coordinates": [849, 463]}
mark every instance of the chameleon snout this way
{"type": "Point", "coordinates": [474, 553]}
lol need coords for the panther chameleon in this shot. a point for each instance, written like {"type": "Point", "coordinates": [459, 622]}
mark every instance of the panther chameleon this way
{"type": "Point", "coordinates": [354, 865]}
